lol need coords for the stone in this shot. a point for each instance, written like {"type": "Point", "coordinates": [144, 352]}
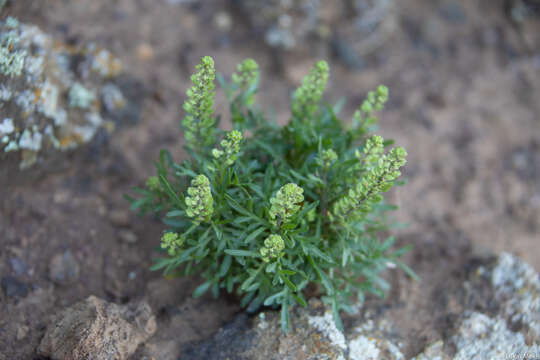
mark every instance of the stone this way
{"type": "Point", "coordinates": [22, 331]}
{"type": "Point", "coordinates": [503, 326]}
{"type": "Point", "coordinates": [19, 266]}
{"type": "Point", "coordinates": [64, 268]}
{"type": "Point", "coordinates": [55, 97]}
{"type": "Point", "coordinates": [119, 218]}
{"type": "Point", "coordinates": [96, 329]}
{"type": "Point", "coordinates": [13, 287]}
{"type": "Point", "coordinates": [128, 236]}
{"type": "Point", "coordinates": [363, 27]}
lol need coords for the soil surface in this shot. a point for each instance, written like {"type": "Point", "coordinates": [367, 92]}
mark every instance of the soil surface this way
{"type": "Point", "coordinates": [465, 89]}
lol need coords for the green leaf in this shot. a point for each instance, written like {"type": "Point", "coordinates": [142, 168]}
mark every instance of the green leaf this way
{"type": "Point", "coordinates": [161, 263]}
{"type": "Point", "coordinates": [299, 299]}
{"type": "Point", "coordinates": [335, 314]}
{"type": "Point", "coordinates": [287, 281]}
{"type": "Point", "coordinates": [407, 270]}
{"type": "Point", "coordinates": [201, 289]}
{"type": "Point", "coordinates": [272, 299]}
{"type": "Point", "coordinates": [253, 235]}
{"type": "Point", "coordinates": [285, 325]}
{"type": "Point", "coordinates": [324, 278]}
{"type": "Point", "coordinates": [225, 265]}
{"type": "Point", "coordinates": [250, 279]}
{"type": "Point", "coordinates": [241, 253]}
{"type": "Point", "coordinates": [174, 213]}
{"type": "Point", "coordinates": [172, 194]}
{"type": "Point", "coordinates": [318, 253]}
{"type": "Point", "coordinates": [288, 272]}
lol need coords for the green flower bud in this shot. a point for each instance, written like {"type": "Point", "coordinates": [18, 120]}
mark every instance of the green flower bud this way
{"type": "Point", "coordinates": [248, 72]}
{"type": "Point", "coordinates": [285, 203]}
{"type": "Point", "coordinates": [376, 180]}
{"type": "Point", "coordinates": [273, 248]}
{"type": "Point", "coordinates": [373, 149]}
{"type": "Point", "coordinates": [152, 183]}
{"type": "Point", "coordinates": [199, 121]}
{"type": "Point", "coordinates": [171, 242]}
{"type": "Point", "coordinates": [230, 146]}
{"type": "Point", "coordinates": [306, 98]}
{"type": "Point", "coordinates": [199, 203]}
{"type": "Point", "coordinates": [327, 158]}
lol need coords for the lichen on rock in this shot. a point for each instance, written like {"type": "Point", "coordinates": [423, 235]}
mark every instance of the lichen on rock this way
{"type": "Point", "coordinates": [53, 96]}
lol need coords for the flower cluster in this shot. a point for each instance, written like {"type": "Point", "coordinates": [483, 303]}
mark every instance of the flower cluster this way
{"type": "Point", "coordinates": [199, 121]}
{"type": "Point", "coordinates": [287, 201]}
{"type": "Point", "coordinates": [199, 203]}
{"type": "Point", "coordinates": [273, 248]}
{"type": "Point", "coordinates": [230, 147]}
{"type": "Point", "coordinates": [246, 77]}
{"type": "Point", "coordinates": [375, 100]}
{"type": "Point", "coordinates": [307, 97]}
{"type": "Point", "coordinates": [372, 151]}
{"type": "Point", "coordinates": [171, 242]}
{"type": "Point", "coordinates": [368, 189]}
{"type": "Point", "coordinates": [152, 183]}
{"type": "Point", "coordinates": [327, 158]}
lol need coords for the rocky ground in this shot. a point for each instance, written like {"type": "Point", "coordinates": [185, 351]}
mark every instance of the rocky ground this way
{"type": "Point", "coordinates": [464, 79]}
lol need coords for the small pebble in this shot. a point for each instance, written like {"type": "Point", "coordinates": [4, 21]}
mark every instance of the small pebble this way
{"type": "Point", "coordinates": [119, 218]}
{"type": "Point", "coordinates": [223, 21]}
{"type": "Point", "coordinates": [18, 266]}
{"type": "Point", "coordinates": [61, 197]}
{"type": "Point", "coordinates": [64, 269]}
{"type": "Point", "coordinates": [13, 287]}
{"type": "Point", "coordinates": [145, 52]}
{"type": "Point", "coordinates": [22, 331]}
{"type": "Point", "coordinates": [128, 236]}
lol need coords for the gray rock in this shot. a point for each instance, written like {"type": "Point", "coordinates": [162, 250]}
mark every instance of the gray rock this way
{"type": "Point", "coordinates": [18, 266]}
{"type": "Point", "coordinates": [119, 218]}
{"type": "Point", "coordinates": [504, 326]}
{"type": "Point", "coordinates": [364, 25]}
{"type": "Point", "coordinates": [96, 329]}
{"type": "Point", "coordinates": [128, 236]}
{"type": "Point", "coordinates": [64, 268]}
{"type": "Point", "coordinates": [55, 97]}
{"type": "Point", "coordinates": [13, 287]}
{"type": "Point", "coordinates": [452, 11]}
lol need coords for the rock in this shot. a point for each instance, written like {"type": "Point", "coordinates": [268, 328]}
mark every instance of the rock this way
{"type": "Point", "coordinates": [504, 325]}
{"type": "Point", "coordinates": [96, 329]}
{"type": "Point", "coordinates": [128, 236]}
{"type": "Point", "coordinates": [346, 54]}
{"type": "Point", "coordinates": [293, 25]}
{"type": "Point", "coordinates": [13, 287]}
{"type": "Point", "coordinates": [145, 52]}
{"type": "Point", "coordinates": [54, 96]}
{"type": "Point", "coordinates": [482, 337]}
{"type": "Point", "coordinates": [22, 331]}
{"type": "Point", "coordinates": [517, 289]}
{"type": "Point", "coordinates": [119, 218]}
{"type": "Point", "coordinates": [64, 269]}
{"type": "Point", "coordinates": [19, 267]}
{"type": "Point", "coordinates": [453, 12]}
{"type": "Point", "coordinates": [314, 335]}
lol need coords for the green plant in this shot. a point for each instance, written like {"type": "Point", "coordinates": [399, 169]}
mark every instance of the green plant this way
{"type": "Point", "coordinates": [274, 213]}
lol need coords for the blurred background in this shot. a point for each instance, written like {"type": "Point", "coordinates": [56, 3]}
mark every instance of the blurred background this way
{"type": "Point", "coordinates": [464, 80]}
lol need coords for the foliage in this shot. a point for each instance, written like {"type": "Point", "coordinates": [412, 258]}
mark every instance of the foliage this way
{"type": "Point", "coordinates": [275, 214]}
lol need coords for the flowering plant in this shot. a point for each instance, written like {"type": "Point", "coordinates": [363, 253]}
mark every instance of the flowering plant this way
{"type": "Point", "coordinates": [271, 211]}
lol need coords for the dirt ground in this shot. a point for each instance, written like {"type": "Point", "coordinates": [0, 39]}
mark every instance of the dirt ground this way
{"type": "Point", "coordinates": [465, 103]}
